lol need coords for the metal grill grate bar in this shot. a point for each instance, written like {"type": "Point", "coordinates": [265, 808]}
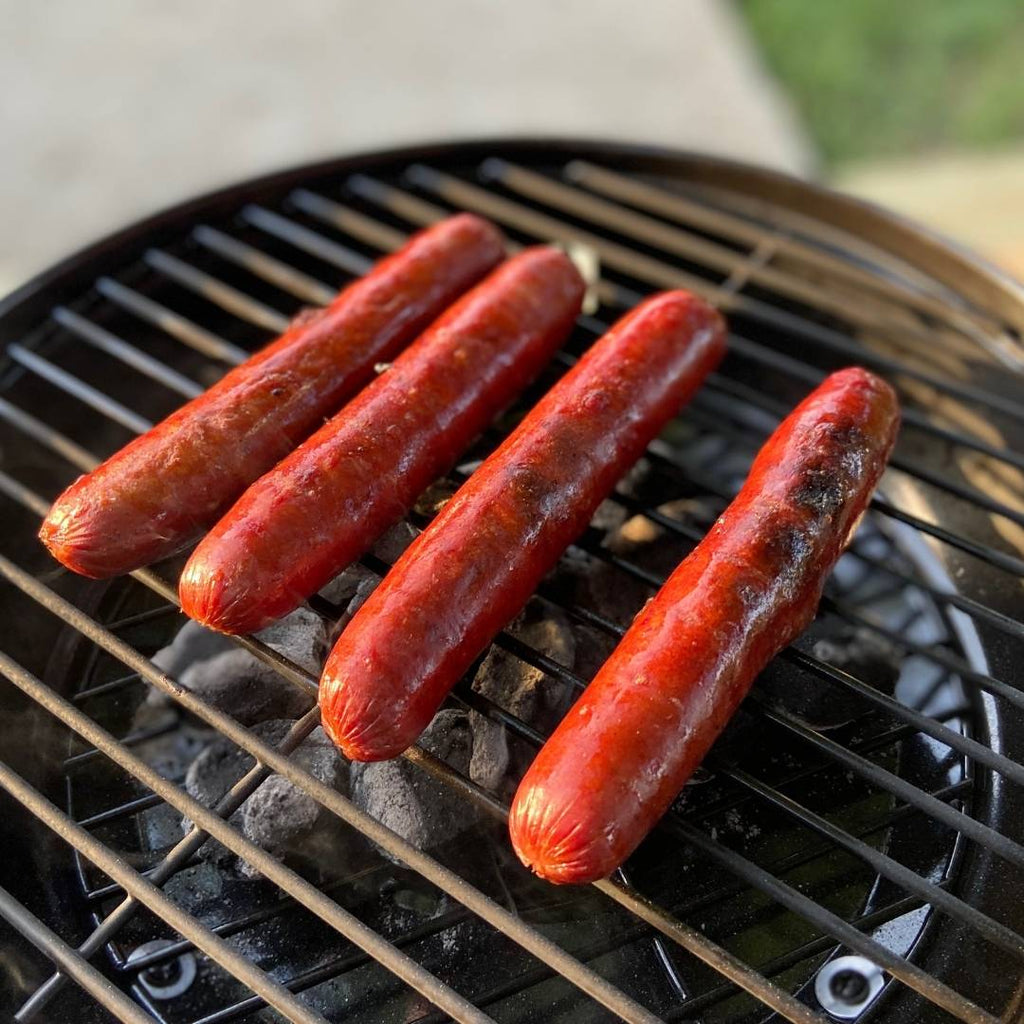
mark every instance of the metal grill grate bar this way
{"type": "Point", "coordinates": [23, 495]}
{"type": "Point", "coordinates": [662, 275]}
{"type": "Point", "coordinates": [50, 438]}
{"type": "Point", "coordinates": [415, 755]}
{"type": "Point", "coordinates": [306, 240]}
{"type": "Point", "coordinates": [245, 307]}
{"type": "Point", "coordinates": [312, 898]}
{"type": "Point", "coordinates": [124, 810]}
{"type": "Point", "coordinates": [85, 393]}
{"type": "Point", "coordinates": [410, 207]}
{"type": "Point", "coordinates": [678, 208]}
{"type": "Point", "coordinates": [147, 893]}
{"type": "Point", "coordinates": [136, 618]}
{"type": "Point", "coordinates": [406, 205]}
{"type": "Point", "coordinates": [329, 211]}
{"type": "Point", "coordinates": [283, 276]}
{"type": "Point", "coordinates": [449, 882]}
{"type": "Point", "coordinates": [71, 962]}
{"type": "Point", "coordinates": [107, 342]}
{"type": "Point", "coordinates": [758, 268]}
{"type": "Point", "coordinates": [109, 687]}
{"type": "Point", "coordinates": [231, 301]}
{"type": "Point", "coordinates": [176, 325]}
{"type": "Point", "coordinates": [358, 225]}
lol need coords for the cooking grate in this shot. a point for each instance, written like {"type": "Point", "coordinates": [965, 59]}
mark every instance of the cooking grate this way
{"type": "Point", "coordinates": [895, 837]}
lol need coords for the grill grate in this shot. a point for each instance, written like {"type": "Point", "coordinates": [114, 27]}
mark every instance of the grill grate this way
{"type": "Point", "coordinates": [928, 779]}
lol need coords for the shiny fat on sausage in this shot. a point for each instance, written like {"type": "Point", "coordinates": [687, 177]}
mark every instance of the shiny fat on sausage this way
{"type": "Point", "coordinates": [471, 571]}
{"type": "Point", "coordinates": [324, 505]}
{"type": "Point", "coordinates": [163, 489]}
{"type": "Point", "coordinates": [626, 748]}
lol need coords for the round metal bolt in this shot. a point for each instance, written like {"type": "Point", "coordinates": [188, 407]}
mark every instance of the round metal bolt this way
{"type": "Point", "coordinates": [846, 986]}
{"type": "Point", "coordinates": [163, 975]}
{"type": "Point", "coordinates": [167, 979]}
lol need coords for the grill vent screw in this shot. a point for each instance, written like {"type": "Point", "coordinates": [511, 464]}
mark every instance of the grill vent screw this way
{"type": "Point", "coordinates": [849, 986]}
{"type": "Point", "coordinates": [846, 986]}
{"type": "Point", "coordinates": [166, 979]}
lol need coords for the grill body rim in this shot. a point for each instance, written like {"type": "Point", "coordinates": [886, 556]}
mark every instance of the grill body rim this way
{"type": "Point", "coordinates": [973, 277]}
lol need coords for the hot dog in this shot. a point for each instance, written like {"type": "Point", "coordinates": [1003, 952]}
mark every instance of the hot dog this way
{"type": "Point", "coordinates": [477, 563]}
{"type": "Point", "coordinates": [165, 487]}
{"type": "Point", "coordinates": [625, 749]}
{"type": "Point", "coordinates": [324, 505]}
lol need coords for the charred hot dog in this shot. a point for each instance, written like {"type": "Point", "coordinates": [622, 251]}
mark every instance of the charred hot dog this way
{"type": "Point", "coordinates": [625, 749]}
{"type": "Point", "coordinates": [475, 566]}
{"type": "Point", "coordinates": [324, 505]}
{"type": "Point", "coordinates": [165, 487]}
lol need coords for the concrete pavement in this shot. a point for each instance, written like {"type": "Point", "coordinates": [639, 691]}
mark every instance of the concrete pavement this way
{"type": "Point", "coordinates": [112, 109]}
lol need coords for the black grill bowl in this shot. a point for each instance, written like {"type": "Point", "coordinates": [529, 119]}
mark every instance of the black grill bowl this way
{"type": "Point", "coordinates": [903, 816]}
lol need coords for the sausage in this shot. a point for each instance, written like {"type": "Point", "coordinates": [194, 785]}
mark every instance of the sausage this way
{"type": "Point", "coordinates": [477, 563]}
{"type": "Point", "coordinates": [164, 488]}
{"type": "Point", "coordinates": [325, 504]}
{"type": "Point", "coordinates": [623, 752]}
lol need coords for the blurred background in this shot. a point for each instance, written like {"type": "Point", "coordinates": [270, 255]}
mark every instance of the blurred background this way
{"type": "Point", "coordinates": [113, 109]}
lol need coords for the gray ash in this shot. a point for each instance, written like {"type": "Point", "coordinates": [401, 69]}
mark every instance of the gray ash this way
{"type": "Point", "coordinates": [242, 686]}
{"type": "Point", "coordinates": [348, 591]}
{"type": "Point", "coordinates": [236, 682]}
{"type": "Point", "coordinates": [292, 826]}
{"type": "Point", "coordinates": [412, 803]}
{"type": "Point", "coordinates": [521, 689]}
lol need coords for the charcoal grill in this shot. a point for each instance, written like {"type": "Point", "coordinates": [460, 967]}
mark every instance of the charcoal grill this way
{"type": "Point", "coordinates": [870, 871]}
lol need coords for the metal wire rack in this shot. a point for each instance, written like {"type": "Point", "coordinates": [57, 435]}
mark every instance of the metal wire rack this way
{"type": "Point", "coordinates": [904, 835]}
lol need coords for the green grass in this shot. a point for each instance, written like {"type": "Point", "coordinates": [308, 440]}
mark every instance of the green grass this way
{"type": "Point", "coordinates": [895, 77]}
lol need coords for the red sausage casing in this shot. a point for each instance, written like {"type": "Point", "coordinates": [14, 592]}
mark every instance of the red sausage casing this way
{"type": "Point", "coordinates": [324, 505]}
{"type": "Point", "coordinates": [625, 749]}
{"type": "Point", "coordinates": [475, 566]}
{"type": "Point", "coordinates": [164, 488]}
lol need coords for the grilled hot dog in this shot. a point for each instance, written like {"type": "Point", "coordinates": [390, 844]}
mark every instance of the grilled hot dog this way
{"type": "Point", "coordinates": [325, 504]}
{"type": "Point", "coordinates": [165, 487]}
{"type": "Point", "coordinates": [475, 566]}
{"type": "Point", "coordinates": [625, 749]}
